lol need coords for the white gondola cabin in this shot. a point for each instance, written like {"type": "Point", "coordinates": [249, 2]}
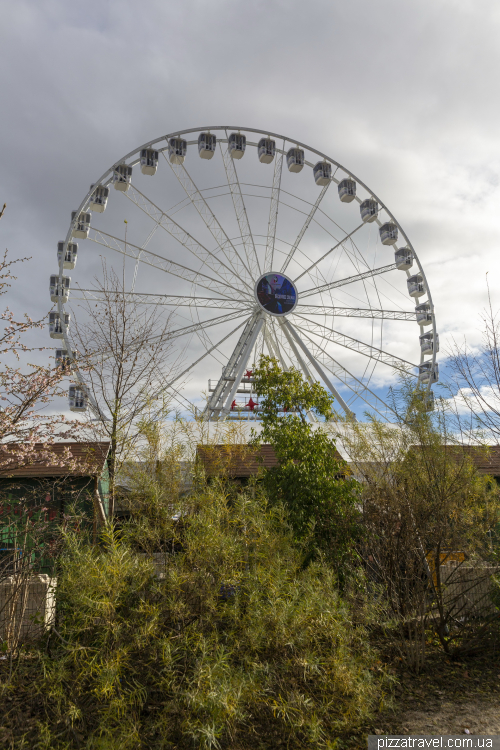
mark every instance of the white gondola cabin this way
{"type": "Point", "coordinates": [322, 172]}
{"type": "Point", "coordinates": [403, 259]}
{"type": "Point", "coordinates": [207, 143]}
{"type": "Point", "coordinates": [59, 291]}
{"type": "Point", "coordinates": [99, 198]}
{"type": "Point", "coordinates": [55, 325]}
{"type": "Point", "coordinates": [81, 226]}
{"type": "Point", "coordinates": [78, 398]}
{"type": "Point", "coordinates": [295, 159]}
{"type": "Point", "coordinates": [122, 176]}
{"type": "Point", "coordinates": [69, 256]}
{"type": "Point", "coordinates": [347, 190]}
{"type": "Point", "coordinates": [424, 314]}
{"type": "Point", "coordinates": [369, 210]}
{"type": "Point", "coordinates": [424, 400]}
{"type": "Point", "coordinates": [177, 148]}
{"type": "Point", "coordinates": [63, 360]}
{"type": "Point", "coordinates": [237, 144]}
{"type": "Point", "coordinates": [429, 401]}
{"type": "Point", "coordinates": [426, 374]}
{"type": "Point", "coordinates": [266, 150]}
{"type": "Point", "coordinates": [388, 233]}
{"type": "Point", "coordinates": [148, 161]}
{"type": "Point", "coordinates": [415, 285]}
{"type": "Point", "coordinates": [429, 344]}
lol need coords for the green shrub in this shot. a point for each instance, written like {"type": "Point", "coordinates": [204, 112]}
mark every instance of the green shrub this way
{"type": "Point", "coordinates": [232, 645]}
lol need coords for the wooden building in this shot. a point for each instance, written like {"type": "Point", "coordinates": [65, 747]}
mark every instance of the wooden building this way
{"type": "Point", "coordinates": [38, 495]}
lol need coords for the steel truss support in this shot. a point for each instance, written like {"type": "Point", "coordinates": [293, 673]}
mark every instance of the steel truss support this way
{"type": "Point", "coordinates": [220, 403]}
{"type": "Point", "coordinates": [354, 345]}
{"type": "Point", "coordinates": [303, 366]}
{"type": "Point", "coordinates": [175, 230]}
{"type": "Point", "coordinates": [317, 262]}
{"type": "Point", "coordinates": [304, 229]}
{"type": "Point", "coordinates": [205, 354]}
{"type": "Point", "coordinates": [211, 222]}
{"type": "Point", "coordinates": [241, 213]}
{"type": "Point", "coordinates": [319, 370]}
{"type": "Point", "coordinates": [161, 263]}
{"type": "Point", "coordinates": [273, 348]}
{"type": "Point", "coordinates": [348, 280]}
{"type": "Point", "coordinates": [355, 312]}
{"type": "Point", "coordinates": [297, 354]}
{"type": "Point", "coordinates": [173, 300]}
{"type": "Point", "coordinates": [273, 213]}
{"type": "Point", "coordinates": [346, 377]}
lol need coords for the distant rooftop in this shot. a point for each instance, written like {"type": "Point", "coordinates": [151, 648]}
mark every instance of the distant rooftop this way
{"type": "Point", "coordinates": [85, 459]}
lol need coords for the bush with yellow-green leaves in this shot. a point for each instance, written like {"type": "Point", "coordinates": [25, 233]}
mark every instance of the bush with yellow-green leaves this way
{"type": "Point", "coordinates": [229, 643]}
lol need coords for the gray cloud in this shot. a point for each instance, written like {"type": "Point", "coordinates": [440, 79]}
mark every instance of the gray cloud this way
{"type": "Point", "coordinates": [404, 94]}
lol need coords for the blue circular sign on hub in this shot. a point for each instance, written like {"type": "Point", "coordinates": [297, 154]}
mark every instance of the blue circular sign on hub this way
{"type": "Point", "coordinates": [276, 293]}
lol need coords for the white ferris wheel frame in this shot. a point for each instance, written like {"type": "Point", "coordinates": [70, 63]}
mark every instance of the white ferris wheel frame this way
{"type": "Point", "coordinates": [305, 349]}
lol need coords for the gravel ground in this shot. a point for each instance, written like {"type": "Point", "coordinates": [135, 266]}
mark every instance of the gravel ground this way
{"type": "Point", "coordinates": [479, 716]}
{"type": "Point", "coordinates": [449, 697]}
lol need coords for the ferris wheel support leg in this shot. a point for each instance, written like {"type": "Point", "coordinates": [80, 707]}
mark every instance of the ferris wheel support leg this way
{"type": "Point", "coordinates": [242, 363]}
{"type": "Point", "coordinates": [273, 349]}
{"type": "Point", "coordinates": [319, 370]}
{"type": "Point", "coordinates": [302, 364]}
{"type": "Point", "coordinates": [225, 386]}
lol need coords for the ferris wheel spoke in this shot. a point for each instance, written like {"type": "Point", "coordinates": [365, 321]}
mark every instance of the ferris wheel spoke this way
{"type": "Point", "coordinates": [241, 213]}
{"type": "Point", "coordinates": [317, 366]}
{"type": "Point", "coordinates": [294, 352]}
{"type": "Point", "coordinates": [161, 263]}
{"type": "Point", "coordinates": [205, 354]}
{"type": "Point", "coordinates": [194, 328]}
{"type": "Point", "coordinates": [202, 325]}
{"type": "Point", "coordinates": [166, 299]}
{"type": "Point", "coordinates": [273, 211]}
{"type": "Point", "coordinates": [331, 250]}
{"type": "Point", "coordinates": [175, 230]}
{"type": "Point", "coordinates": [212, 223]}
{"type": "Point", "coordinates": [348, 342]}
{"type": "Point", "coordinates": [304, 229]}
{"type": "Point", "coordinates": [355, 312]}
{"type": "Point", "coordinates": [348, 280]}
{"type": "Point", "coordinates": [273, 347]}
{"type": "Point", "coordinates": [356, 386]}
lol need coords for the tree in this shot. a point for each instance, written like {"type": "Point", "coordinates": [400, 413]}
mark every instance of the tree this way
{"type": "Point", "coordinates": [25, 430]}
{"type": "Point", "coordinates": [310, 479]}
{"type": "Point", "coordinates": [429, 517]}
{"type": "Point", "coordinates": [124, 353]}
{"type": "Point", "coordinates": [476, 374]}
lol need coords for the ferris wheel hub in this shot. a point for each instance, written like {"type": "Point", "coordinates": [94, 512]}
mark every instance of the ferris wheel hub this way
{"type": "Point", "coordinates": [276, 293]}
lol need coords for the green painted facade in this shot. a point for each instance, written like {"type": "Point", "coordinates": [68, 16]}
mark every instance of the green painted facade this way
{"type": "Point", "coordinates": [34, 509]}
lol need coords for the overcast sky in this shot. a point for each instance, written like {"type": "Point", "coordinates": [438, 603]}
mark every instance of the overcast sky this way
{"type": "Point", "coordinates": [405, 94]}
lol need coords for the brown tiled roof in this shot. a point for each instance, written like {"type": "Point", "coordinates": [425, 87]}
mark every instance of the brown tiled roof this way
{"type": "Point", "coordinates": [87, 459]}
{"type": "Point", "coordinates": [236, 460]}
{"type": "Point", "coordinates": [485, 458]}
{"type": "Point", "coordinates": [240, 460]}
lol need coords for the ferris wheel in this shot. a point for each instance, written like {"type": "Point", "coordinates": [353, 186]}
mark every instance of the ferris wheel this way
{"type": "Point", "coordinates": [253, 243]}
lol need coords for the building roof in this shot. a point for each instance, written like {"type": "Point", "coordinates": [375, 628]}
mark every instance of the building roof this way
{"type": "Point", "coordinates": [486, 458]}
{"type": "Point", "coordinates": [236, 460]}
{"type": "Point", "coordinates": [239, 461]}
{"type": "Point", "coordinates": [56, 460]}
